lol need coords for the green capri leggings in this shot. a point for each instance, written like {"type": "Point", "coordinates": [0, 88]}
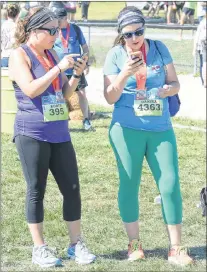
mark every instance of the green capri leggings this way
{"type": "Point", "coordinates": [130, 146]}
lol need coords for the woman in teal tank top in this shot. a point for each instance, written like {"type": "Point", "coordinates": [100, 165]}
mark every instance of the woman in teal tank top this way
{"type": "Point", "coordinates": [136, 82]}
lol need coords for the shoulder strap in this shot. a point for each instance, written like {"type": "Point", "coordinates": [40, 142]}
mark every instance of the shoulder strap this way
{"type": "Point", "coordinates": [77, 31]}
{"type": "Point", "coordinates": [160, 56]}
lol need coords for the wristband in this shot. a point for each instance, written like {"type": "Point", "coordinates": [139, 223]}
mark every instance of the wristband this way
{"type": "Point", "coordinates": [59, 68]}
{"type": "Point", "coordinates": [76, 76]}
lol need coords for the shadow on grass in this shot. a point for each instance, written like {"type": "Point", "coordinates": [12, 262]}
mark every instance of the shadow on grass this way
{"type": "Point", "coordinates": [122, 255]}
{"type": "Point", "coordinates": [101, 115]}
{"type": "Point", "coordinates": [198, 253]}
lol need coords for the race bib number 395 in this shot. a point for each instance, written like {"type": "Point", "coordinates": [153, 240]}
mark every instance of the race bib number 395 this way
{"type": "Point", "coordinates": [148, 107]}
{"type": "Point", "coordinates": [54, 109]}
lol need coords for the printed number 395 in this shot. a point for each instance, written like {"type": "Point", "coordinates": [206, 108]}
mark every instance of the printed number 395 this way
{"type": "Point", "coordinates": [56, 111]}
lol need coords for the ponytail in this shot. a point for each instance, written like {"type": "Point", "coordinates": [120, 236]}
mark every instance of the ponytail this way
{"type": "Point", "coordinates": [21, 36]}
{"type": "Point", "coordinates": [119, 40]}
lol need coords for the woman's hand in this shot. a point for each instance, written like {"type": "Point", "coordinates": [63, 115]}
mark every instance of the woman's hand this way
{"type": "Point", "coordinates": [164, 91]}
{"type": "Point", "coordinates": [67, 62]}
{"type": "Point", "coordinates": [80, 65]}
{"type": "Point", "coordinates": [132, 66]}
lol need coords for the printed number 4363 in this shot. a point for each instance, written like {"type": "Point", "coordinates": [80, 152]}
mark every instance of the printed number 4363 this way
{"type": "Point", "coordinates": [145, 107]}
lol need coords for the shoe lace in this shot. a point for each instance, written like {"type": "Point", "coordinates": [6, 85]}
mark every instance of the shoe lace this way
{"type": "Point", "coordinates": [46, 252]}
{"type": "Point", "coordinates": [181, 250]}
{"type": "Point", "coordinates": [87, 122]}
{"type": "Point", "coordinates": [83, 246]}
{"type": "Point", "coordinates": [134, 245]}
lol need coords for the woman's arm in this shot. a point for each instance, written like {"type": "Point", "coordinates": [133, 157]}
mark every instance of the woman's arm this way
{"type": "Point", "coordinates": [70, 86]}
{"type": "Point", "coordinates": [113, 87]}
{"type": "Point", "coordinates": [114, 84]}
{"type": "Point", "coordinates": [172, 85]}
{"type": "Point", "coordinates": [19, 71]}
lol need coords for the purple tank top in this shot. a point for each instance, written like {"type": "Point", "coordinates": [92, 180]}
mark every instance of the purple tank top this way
{"type": "Point", "coordinates": [29, 119]}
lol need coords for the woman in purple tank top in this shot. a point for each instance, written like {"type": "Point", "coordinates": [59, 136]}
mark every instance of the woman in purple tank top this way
{"type": "Point", "coordinates": [41, 131]}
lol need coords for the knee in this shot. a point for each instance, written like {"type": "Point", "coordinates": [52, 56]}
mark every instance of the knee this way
{"type": "Point", "coordinates": [170, 186]}
{"type": "Point", "coordinates": [128, 196]}
{"type": "Point", "coordinates": [36, 193]}
{"type": "Point", "coordinates": [82, 93]}
{"type": "Point", "coordinates": [72, 191]}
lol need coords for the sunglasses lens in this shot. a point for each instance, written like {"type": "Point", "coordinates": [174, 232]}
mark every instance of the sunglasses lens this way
{"type": "Point", "coordinates": [127, 35]}
{"type": "Point", "coordinates": [53, 31]}
{"type": "Point", "coordinates": [139, 32]}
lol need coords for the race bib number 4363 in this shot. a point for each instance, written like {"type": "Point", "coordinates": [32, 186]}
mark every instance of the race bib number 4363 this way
{"type": "Point", "coordinates": [54, 109]}
{"type": "Point", "coordinates": [148, 107]}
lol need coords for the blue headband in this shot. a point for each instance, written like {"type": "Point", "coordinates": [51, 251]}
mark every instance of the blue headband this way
{"type": "Point", "coordinates": [129, 17]}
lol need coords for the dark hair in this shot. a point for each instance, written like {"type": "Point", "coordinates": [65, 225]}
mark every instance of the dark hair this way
{"type": "Point", "coordinates": [119, 39]}
{"type": "Point", "coordinates": [12, 10]}
{"type": "Point", "coordinates": [20, 33]}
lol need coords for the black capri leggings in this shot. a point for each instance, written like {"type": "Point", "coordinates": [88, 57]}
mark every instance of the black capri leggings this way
{"type": "Point", "coordinates": [37, 157]}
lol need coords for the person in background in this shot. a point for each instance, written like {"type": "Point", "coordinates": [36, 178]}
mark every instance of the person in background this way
{"type": "Point", "coordinates": [84, 10]}
{"type": "Point", "coordinates": [152, 8]}
{"type": "Point", "coordinates": [4, 15]}
{"type": "Point", "coordinates": [200, 48]}
{"type": "Point", "coordinates": [188, 12]}
{"type": "Point", "coordinates": [141, 127]}
{"type": "Point", "coordinates": [159, 6]}
{"type": "Point", "coordinates": [41, 133]}
{"type": "Point", "coordinates": [70, 7]}
{"type": "Point", "coordinates": [201, 10]}
{"type": "Point", "coordinates": [7, 33]}
{"type": "Point", "coordinates": [178, 10]}
{"type": "Point", "coordinates": [169, 12]}
{"type": "Point", "coordinates": [24, 10]}
{"type": "Point", "coordinates": [70, 41]}
{"type": "Point", "coordinates": [56, 5]}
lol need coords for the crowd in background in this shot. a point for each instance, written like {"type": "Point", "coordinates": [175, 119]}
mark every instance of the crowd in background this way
{"type": "Point", "coordinates": [175, 12]}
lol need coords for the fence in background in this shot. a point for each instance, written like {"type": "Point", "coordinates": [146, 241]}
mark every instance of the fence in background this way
{"type": "Point", "coordinates": [101, 35]}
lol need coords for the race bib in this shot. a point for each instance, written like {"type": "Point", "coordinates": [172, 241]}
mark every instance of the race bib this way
{"type": "Point", "coordinates": [54, 107]}
{"type": "Point", "coordinates": [144, 106]}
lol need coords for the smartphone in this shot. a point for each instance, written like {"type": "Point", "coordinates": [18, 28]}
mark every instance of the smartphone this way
{"type": "Point", "coordinates": [83, 55]}
{"type": "Point", "coordinates": [136, 55]}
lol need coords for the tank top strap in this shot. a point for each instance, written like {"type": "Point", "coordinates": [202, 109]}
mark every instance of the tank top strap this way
{"type": "Point", "coordinates": [34, 61]}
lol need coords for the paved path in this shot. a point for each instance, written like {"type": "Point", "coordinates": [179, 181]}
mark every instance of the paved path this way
{"type": "Point", "coordinates": [112, 32]}
{"type": "Point", "coordinates": [192, 94]}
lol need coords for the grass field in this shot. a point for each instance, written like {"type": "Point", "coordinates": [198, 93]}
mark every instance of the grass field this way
{"type": "Point", "coordinates": [102, 10]}
{"type": "Point", "coordinates": [101, 223]}
{"type": "Point", "coordinates": [181, 51]}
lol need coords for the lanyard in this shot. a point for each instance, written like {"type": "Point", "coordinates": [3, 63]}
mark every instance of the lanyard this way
{"type": "Point", "coordinates": [65, 41]}
{"type": "Point", "coordinates": [56, 81]}
{"type": "Point", "coordinates": [143, 50]}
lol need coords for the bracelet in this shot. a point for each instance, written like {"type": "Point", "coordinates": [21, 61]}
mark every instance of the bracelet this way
{"type": "Point", "coordinates": [76, 76]}
{"type": "Point", "coordinates": [59, 68]}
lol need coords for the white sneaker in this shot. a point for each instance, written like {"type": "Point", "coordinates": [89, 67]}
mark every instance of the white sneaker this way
{"type": "Point", "coordinates": [44, 257]}
{"type": "Point", "coordinates": [87, 124]}
{"type": "Point", "coordinates": [80, 253]}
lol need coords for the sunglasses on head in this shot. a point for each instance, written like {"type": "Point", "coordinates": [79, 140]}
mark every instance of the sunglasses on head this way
{"type": "Point", "coordinates": [51, 31]}
{"type": "Point", "coordinates": [138, 32]}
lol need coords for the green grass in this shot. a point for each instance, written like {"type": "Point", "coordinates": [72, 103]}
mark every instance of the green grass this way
{"type": "Point", "coordinates": [181, 51]}
{"type": "Point", "coordinates": [102, 10]}
{"type": "Point", "coordinates": [101, 223]}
